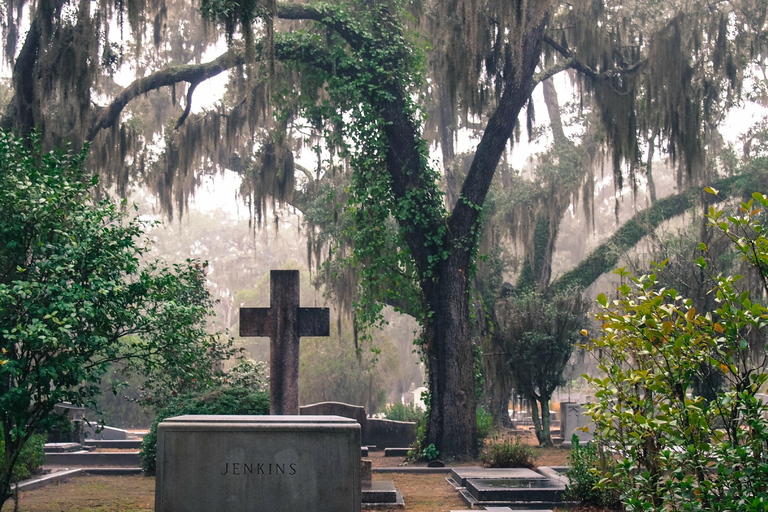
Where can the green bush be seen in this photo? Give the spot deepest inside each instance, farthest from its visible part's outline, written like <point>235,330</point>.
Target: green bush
<point>32,457</point>
<point>229,400</point>
<point>583,477</point>
<point>402,412</point>
<point>676,449</point>
<point>508,454</point>
<point>484,424</point>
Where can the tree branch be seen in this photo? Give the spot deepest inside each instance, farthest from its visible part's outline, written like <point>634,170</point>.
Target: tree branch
<point>583,68</point>
<point>605,257</point>
<point>552,71</point>
<point>517,91</point>
<point>188,106</point>
<point>325,14</point>
<point>193,73</point>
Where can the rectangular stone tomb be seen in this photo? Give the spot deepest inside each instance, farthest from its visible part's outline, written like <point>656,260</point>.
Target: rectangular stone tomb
<point>258,464</point>
<point>461,474</point>
<point>515,489</point>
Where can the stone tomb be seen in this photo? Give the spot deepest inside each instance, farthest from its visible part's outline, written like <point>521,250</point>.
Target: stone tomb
<point>518,488</point>
<point>258,464</point>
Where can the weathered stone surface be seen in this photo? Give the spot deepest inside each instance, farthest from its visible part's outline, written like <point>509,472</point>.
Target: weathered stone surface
<point>284,322</point>
<point>366,470</point>
<point>574,421</point>
<point>356,412</point>
<point>258,464</point>
<point>389,433</point>
<point>462,473</point>
<point>377,432</point>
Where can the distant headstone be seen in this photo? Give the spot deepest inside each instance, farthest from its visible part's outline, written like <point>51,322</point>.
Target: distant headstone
<point>258,463</point>
<point>284,322</point>
<point>573,421</point>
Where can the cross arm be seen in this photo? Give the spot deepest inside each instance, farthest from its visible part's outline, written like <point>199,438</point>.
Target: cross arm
<point>314,322</point>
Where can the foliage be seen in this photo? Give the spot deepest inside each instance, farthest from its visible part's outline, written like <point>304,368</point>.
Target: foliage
<point>484,424</point>
<point>74,298</point>
<point>399,411</point>
<point>583,476</point>
<point>540,333</point>
<point>31,457</point>
<point>507,454</point>
<point>430,452</point>
<point>677,450</point>
<point>225,400</point>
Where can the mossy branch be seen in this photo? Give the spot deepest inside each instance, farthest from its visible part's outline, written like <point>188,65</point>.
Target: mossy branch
<point>605,257</point>
<point>193,73</point>
<point>574,63</point>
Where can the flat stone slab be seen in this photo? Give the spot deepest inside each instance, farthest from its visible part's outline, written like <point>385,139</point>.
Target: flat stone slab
<point>258,463</point>
<point>379,491</point>
<point>126,458</point>
<point>501,509</point>
<point>515,489</point>
<point>397,505</point>
<point>396,452</point>
<point>61,447</point>
<point>461,474</point>
<point>120,444</point>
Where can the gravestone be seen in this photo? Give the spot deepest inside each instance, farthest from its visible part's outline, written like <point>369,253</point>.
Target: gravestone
<point>574,421</point>
<point>284,322</point>
<point>258,464</point>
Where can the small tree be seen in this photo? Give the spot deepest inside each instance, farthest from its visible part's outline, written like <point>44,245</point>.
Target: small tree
<point>75,298</point>
<point>676,450</point>
<point>540,334</point>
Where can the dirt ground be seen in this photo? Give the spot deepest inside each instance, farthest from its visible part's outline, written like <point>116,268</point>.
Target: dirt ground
<point>422,493</point>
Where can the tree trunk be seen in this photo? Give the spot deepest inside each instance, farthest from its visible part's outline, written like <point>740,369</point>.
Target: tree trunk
<point>452,425</point>
<point>499,384</point>
<point>10,456</point>
<point>553,109</point>
<point>545,436</point>
<point>535,415</point>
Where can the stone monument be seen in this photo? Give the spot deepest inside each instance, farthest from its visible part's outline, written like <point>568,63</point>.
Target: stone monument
<point>258,464</point>
<point>284,322</point>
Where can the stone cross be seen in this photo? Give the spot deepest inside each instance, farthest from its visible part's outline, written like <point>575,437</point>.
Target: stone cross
<point>284,322</point>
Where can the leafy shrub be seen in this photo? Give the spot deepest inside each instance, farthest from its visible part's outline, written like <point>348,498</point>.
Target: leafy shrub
<point>430,452</point>
<point>229,400</point>
<point>403,412</point>
<point>508,454</point>
<point>484,424</point>
<point>583,477</point>
<point>677,450</point>
<point>31,457</point>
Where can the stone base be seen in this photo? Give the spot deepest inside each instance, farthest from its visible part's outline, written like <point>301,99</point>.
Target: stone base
<point>399,504</point>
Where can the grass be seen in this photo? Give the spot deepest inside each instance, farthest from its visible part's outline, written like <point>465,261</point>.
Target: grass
<point>422,493</point>
<point>91,494</point>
